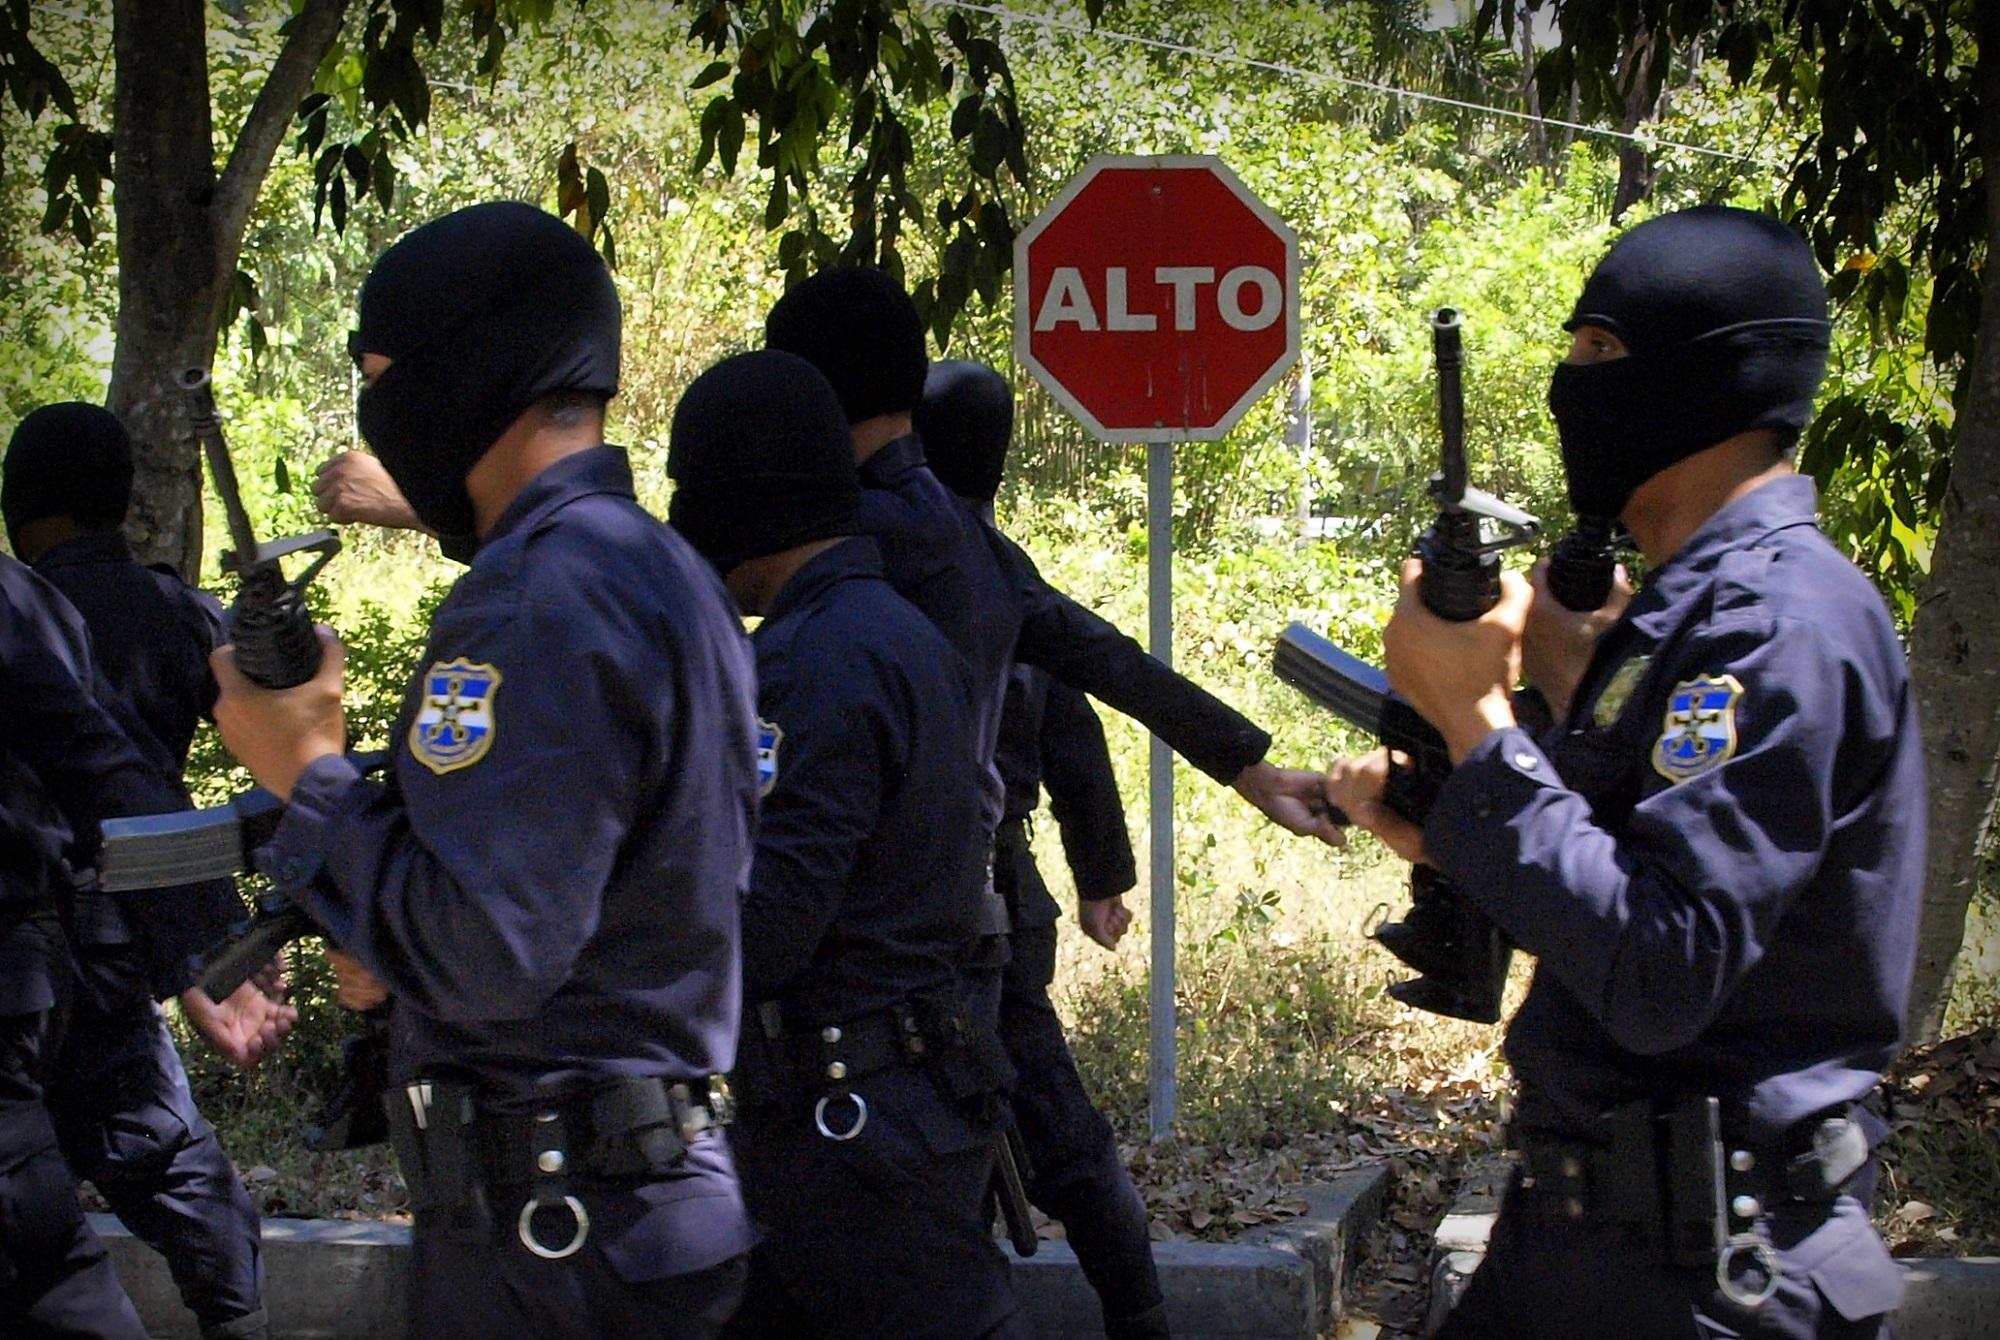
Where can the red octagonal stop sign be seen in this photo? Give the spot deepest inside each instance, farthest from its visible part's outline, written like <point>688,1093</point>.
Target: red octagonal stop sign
<point>1157,298</point>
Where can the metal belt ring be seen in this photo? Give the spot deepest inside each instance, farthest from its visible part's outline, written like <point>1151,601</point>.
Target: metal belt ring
<point>1767,1261</point>
<point>860,1116</point>
<point>527,1230</point>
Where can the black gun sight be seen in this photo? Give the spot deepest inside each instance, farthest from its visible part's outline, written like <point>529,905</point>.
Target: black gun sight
<point>270,623</point>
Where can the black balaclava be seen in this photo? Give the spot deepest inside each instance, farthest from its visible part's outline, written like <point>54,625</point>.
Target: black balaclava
<point>1725,317</point>
<point>761,460</point>
<point>966,419</point>
<point>860,329</point>
<point>71,459</point>
<point>484,312</point>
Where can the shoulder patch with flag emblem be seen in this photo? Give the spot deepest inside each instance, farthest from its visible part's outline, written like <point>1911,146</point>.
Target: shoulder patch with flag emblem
<point>769,736</point>
<point>455,727</point>
<point>1699,732</point>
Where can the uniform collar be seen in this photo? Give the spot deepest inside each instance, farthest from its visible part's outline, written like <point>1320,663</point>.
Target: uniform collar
<point>1791,500</point>
<point>855,556</point>
<point>105,547</point>
<point>594,470</point>
<point>891,461</point>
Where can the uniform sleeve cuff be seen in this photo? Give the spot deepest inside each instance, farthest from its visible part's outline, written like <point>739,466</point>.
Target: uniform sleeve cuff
<point>1496,781</point>
<point>324,793</point>
<point>1103,891</point>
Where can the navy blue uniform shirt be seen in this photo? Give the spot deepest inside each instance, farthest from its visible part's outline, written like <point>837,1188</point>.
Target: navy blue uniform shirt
<point>935,555</point>
<point>549,879</point>
<point>151,633</point>
<point>1050,734</point>
<point>66,764</point>
<point>1718,858</point>
<point>856,901</point>
<point>984,594</point>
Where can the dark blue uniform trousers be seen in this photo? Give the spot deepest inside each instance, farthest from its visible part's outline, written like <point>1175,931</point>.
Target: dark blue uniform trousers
<point>483,1285</point>
<point>55,1279</point>
<point>1547,1277</point>
<point>1076,1176</point>
<point>884,1235</point>
<point>128,1123</point>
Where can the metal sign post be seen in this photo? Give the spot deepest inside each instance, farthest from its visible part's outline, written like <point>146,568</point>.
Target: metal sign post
<point>1160,608</point>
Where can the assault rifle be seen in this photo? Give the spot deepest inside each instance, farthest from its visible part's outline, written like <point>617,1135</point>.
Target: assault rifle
<point>1460,955</point>
<point>276,647</point>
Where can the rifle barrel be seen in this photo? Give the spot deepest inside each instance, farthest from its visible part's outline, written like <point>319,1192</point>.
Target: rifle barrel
<point>1449,353</point>
<point>195,384</point>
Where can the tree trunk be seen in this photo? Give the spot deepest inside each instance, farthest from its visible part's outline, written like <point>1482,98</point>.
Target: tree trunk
<point>171,277</point>
<point>1538,134</point>
<point>1955,638</point>
<point>1635,165</point>
<point>180,227</point>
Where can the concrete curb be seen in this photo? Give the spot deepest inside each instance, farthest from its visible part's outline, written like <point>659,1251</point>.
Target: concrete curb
<point>338,1280</point>
<point>1952,1298</point>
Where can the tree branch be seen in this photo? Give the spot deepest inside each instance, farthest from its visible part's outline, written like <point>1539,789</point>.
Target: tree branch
<point>314,30</point>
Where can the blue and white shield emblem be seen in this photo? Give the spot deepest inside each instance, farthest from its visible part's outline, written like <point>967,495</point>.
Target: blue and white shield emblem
<point>454,728</point>
<point>1700,728</point>
<point>769,736</point>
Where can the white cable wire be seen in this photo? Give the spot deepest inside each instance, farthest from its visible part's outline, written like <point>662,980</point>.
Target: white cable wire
<point>1006,15</point>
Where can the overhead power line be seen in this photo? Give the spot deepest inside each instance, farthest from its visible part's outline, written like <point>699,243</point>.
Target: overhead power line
<point>1006,15</point>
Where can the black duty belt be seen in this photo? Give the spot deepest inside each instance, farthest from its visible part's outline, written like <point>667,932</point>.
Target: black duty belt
<point>453,1152</point>
<point>1664,1177</point>
<point>825,1061</point>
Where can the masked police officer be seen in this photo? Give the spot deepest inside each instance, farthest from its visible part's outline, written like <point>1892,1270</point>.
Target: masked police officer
<point>869,1092</point>
<point>548,880</point>
<point>118,1091</point>
<point>1049,733</point>
<point>66,763</point>
<point>1716,854</point>
<point>859,328</point>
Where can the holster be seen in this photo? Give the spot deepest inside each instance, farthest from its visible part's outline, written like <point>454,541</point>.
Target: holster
<point>1664,1176</point>
<point>431,1130</point>
<point>453,1153</point>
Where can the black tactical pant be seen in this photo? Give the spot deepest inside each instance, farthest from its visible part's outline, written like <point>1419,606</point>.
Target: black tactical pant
<point>1076,1176</point>
<point>55,1279</point>
<point>881,1235</point>
<point>1548,1277</point>
<point>128,1123</point>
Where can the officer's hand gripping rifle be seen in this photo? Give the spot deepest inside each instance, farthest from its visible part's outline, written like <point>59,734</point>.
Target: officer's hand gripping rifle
<point>277,647</point>
<point>1460,954</point>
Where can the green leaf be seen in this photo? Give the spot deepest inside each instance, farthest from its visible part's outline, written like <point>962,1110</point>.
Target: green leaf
<point>863,118</point>
<point>281,476</point>
<point>711,128</point>
<point>731,138</point>
<point>598,197</point>
<point>779,205</point>
<point>965,116</point>
<point>711,73</point>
